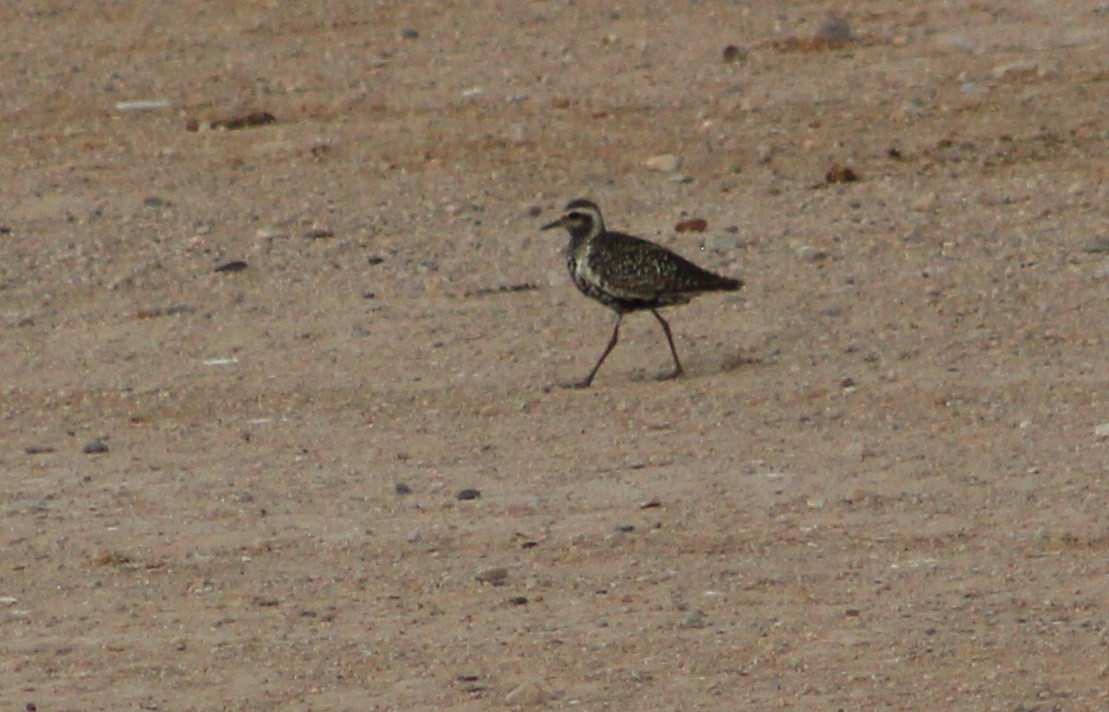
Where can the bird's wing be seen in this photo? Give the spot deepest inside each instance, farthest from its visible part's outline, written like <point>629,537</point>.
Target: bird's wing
<point>633,268</point>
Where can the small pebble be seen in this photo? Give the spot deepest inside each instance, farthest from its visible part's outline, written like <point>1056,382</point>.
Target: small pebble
<point>528,694</point>
<point>270,233</point>
<point>409,33</point>
<point>625,528</point>
<point>401,488</point>
<point>95,447</point>
<point>495,577</point>
<point>664,163</point>
<point>1101,432</point>
<point>724,242</point>
<point>1015,69</point>
<point>808,253</point>
<point>153,201</point>
<point>518,600</point>
<point>468,494</point>
<point>142,104</point>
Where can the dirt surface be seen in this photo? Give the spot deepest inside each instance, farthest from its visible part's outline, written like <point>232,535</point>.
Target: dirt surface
<point>880,485</point>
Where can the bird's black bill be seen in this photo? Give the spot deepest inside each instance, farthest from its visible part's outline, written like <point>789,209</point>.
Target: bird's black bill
<point>551,226</point>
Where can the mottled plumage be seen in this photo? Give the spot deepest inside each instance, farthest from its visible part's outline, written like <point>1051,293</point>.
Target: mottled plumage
<point>627,273</point>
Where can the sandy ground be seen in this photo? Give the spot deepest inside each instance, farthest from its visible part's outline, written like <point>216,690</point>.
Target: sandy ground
<point>880,486</point>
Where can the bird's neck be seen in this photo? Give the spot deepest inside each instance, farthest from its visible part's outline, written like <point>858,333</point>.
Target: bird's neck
<point>582,234</point>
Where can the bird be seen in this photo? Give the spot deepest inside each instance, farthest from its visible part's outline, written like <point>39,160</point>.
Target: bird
<point>628,274</point>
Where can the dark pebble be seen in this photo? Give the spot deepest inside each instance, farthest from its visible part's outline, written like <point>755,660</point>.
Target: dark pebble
<point>734,53</point>
<point>234,266</point>
<point>841,174</point>
<point>95,447</point>
<point>258,118</point>
<point>625,528</point>
<point>847,382</point>
<point>693,225</point>
<point>518,600</point>
<point>375,260</point>
<point>534,211</point>
<point>401,488</point>
<point>409,33</point>
<point>319,233</point>
<point>469,494</point>
<point>153,201</point>
<point>529,544</point>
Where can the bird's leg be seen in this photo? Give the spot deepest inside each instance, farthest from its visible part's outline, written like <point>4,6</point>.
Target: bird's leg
<point>670,340</point>
<point>584,383</point>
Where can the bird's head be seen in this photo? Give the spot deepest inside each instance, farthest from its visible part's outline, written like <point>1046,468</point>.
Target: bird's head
<point>582,219</point>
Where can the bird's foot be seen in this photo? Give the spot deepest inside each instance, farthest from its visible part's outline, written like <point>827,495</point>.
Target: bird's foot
<point>676,373</point>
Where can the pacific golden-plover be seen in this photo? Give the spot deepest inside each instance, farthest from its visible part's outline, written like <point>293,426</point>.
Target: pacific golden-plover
<point>627,274</point>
